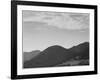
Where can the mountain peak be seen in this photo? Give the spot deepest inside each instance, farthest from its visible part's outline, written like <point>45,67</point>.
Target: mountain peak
<point>56,46</point>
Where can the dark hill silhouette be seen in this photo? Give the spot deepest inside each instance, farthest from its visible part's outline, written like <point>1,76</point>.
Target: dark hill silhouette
<point>55,55</point>
<point>81,50</point>
<point>82,55</point>
<point>49,57</point>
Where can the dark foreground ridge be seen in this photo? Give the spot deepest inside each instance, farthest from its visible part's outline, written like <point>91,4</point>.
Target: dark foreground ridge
<point>59,56</point>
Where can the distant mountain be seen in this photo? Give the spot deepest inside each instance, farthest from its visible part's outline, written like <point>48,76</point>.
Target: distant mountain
<point>29,55</point>
<point>55,55</point>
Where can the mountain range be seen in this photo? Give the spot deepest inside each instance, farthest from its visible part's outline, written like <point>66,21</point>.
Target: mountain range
<point>59,56</point>
<point>30,55</point>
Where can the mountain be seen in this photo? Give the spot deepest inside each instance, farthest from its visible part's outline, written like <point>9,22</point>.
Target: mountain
<point>82,55</point>
<point>29,55</point>
<point>56,54</point>
<point>49,57</point>
<point>81,50</point>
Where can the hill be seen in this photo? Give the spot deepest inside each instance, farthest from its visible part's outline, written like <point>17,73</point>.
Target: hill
<point>55,55</point>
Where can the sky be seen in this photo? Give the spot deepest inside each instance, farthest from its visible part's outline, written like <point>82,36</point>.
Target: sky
<point>42,29</point>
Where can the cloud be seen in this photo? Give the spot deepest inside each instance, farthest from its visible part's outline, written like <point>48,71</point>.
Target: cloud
<point>70,21</point>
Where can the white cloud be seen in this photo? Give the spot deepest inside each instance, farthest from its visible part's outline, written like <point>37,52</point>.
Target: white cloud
<point>71,21</point>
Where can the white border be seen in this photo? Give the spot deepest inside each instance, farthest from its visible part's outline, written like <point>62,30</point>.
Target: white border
<point>21,71</point>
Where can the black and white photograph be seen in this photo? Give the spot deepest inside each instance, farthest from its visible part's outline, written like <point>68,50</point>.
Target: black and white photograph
<point>53,39</point>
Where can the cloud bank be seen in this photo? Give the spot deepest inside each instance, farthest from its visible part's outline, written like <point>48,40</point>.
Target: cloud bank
<point>61,20</point>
